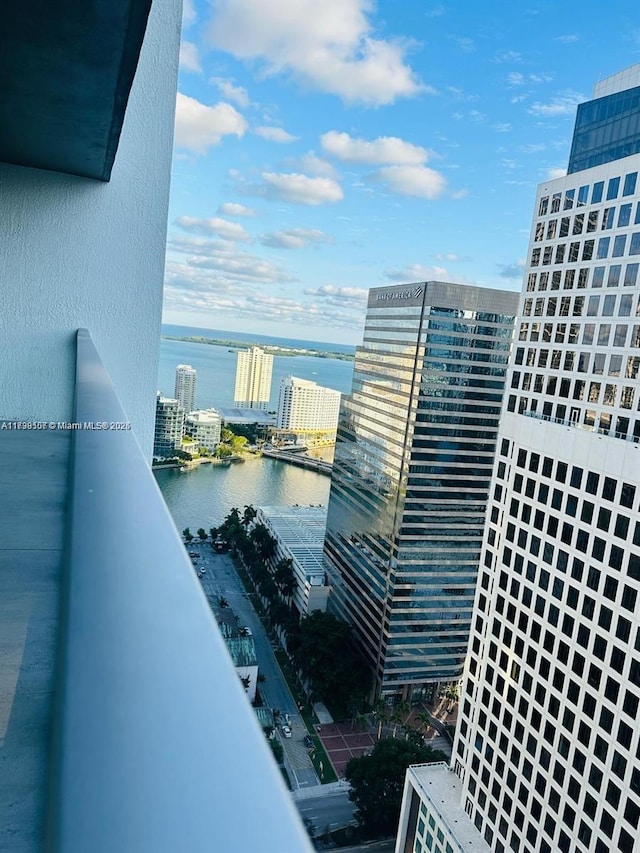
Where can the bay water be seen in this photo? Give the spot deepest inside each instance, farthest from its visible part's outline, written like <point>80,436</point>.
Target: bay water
<point>203,496</point>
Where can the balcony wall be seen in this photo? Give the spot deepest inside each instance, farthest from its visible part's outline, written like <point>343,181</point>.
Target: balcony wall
<point>76,252</point>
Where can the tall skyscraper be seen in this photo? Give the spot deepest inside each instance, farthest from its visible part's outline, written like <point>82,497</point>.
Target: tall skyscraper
<point>415,448</point>
<point>548,737</point>
<point>253,379</point>
<point>185,392</point>
<point>305,407</point>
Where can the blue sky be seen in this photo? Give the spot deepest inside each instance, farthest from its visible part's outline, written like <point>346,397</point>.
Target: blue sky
<point>323,147</point>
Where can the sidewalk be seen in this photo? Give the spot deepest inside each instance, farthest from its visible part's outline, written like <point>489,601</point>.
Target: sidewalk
<point>321,790</point>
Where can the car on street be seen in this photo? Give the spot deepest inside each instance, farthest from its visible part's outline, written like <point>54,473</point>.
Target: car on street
<point>286,731</point>
<point>308,741</point>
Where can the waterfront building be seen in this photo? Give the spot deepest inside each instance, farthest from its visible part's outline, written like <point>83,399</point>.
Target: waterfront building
<point>547,741</point>
<point>204,427</point>
<point>109,657</point>
<point>306,409</point>
<point>185,391</point>
<point>169,427</point>
<point>299,534</point>
<point>412,466</point>
<point>253,379</point>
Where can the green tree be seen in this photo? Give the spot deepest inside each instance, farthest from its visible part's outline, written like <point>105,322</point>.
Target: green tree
<point>187,535</point>
<point>248,515</point>
<point>202,533</point>
<point>278,751</point>
<point>264,541</point>
<point>377,782</point>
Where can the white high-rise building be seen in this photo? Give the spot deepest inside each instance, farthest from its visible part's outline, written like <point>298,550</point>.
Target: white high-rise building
<point>169,427</point>
<point>185,392</point>
<point>253,379</point>
<point>304,406</point>
<point>548,737</point>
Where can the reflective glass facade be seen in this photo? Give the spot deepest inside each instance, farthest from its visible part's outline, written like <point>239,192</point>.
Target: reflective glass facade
<point>411,475</point>
<point>606,129</point>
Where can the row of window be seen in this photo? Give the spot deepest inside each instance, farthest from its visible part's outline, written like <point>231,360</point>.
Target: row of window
<point>601,334</point>
<point>587,250</point>
<point>609,305</point>
<point>598,363</point>
<point>615,275</point>
<point>588,194</point>
<point>559,228</point>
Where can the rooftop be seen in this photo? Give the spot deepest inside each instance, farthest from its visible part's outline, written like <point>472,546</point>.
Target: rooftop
<point>301,529</point>
<point>443,790</point>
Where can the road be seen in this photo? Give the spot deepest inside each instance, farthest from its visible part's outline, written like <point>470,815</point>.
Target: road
<point>333,810</point>
<point>221,580</point>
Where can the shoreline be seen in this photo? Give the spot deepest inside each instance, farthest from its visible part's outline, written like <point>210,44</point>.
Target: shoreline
<point>286,352</point>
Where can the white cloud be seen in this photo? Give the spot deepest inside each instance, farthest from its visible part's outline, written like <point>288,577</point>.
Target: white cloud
<point>189,57</point>
<point>466,45</point>
<point>275,134</point>
<point>450,257</point>
<point>552,174</point>
<point>230,265</point>
<point>418,272</point>
<point>457,194</point>
<point>568,39</point>
<point>299,189</point>
<point>198,126</point>
<point>417,181</point>
<point>515,78</point>
<point>563,104</point>
<point>216,225</point>
<point>311,164</point>
<point>512,271</point>
<point>507,56</point>
<point>501,127</point>
<point>295,238</point>
<point>339,295</point>
<point>188,13</point>
<point>231,208</point>
<point>231,92</point>
<point>327,46</point>
<point>383,150</point>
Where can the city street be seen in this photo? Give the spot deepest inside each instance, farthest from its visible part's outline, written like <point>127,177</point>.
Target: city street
<point>330,810</point>
<point>221,580</point>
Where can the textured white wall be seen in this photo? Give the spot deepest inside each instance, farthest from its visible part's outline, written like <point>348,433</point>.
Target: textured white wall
<point>75,252</point>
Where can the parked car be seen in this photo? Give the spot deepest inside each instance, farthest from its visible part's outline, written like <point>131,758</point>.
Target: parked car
<point>286,731</point>
<point>308,741</point>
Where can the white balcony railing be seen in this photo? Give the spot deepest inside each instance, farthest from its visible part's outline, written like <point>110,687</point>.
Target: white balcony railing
<point>155,745</point>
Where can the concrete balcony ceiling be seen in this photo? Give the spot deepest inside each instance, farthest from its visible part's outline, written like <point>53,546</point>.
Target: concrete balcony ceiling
<point>66,70</point>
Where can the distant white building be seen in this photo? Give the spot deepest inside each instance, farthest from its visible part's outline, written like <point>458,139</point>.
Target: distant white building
<point>185,392</point>
<point>169,427</point>
<point>305,407</point>
<point>253,379</point>
<point>299,534</point>
<point>204,426</point>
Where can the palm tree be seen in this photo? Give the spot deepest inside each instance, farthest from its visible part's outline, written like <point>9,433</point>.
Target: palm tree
<point>248,515</point>
<point>187,535</point>
<point>400,714</point>
<point>451,692</point>
<point>202,533</point>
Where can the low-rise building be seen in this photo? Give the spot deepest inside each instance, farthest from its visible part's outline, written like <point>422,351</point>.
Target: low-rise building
<point>243,655</point>
<point>299,534</point>
<point>432,817</point>
<point>204,426</point>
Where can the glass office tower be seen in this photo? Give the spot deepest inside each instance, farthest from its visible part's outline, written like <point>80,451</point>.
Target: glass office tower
<point>548,738</point>
<point>411,474</point>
